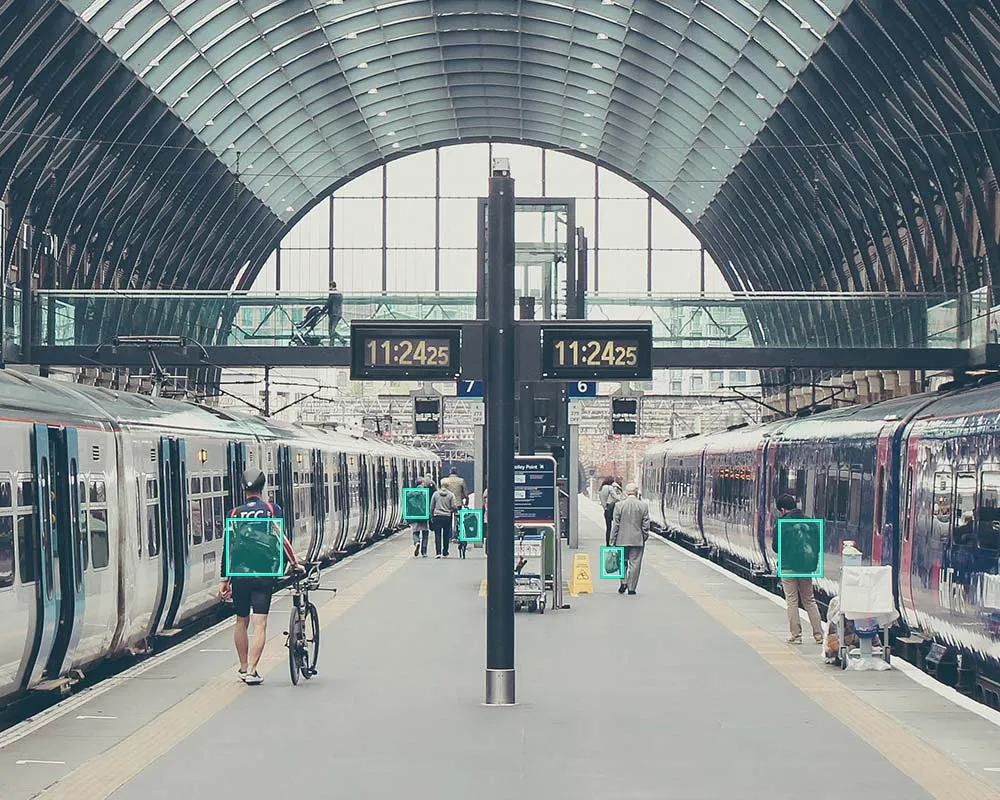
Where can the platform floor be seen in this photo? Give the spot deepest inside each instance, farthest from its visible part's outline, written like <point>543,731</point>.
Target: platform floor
<point>685,690</point>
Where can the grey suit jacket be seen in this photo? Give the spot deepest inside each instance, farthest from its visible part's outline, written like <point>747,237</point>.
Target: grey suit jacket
<point>630,526</point>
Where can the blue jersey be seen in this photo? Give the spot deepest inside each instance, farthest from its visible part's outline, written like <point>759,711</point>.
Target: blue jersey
<point>255,508</point>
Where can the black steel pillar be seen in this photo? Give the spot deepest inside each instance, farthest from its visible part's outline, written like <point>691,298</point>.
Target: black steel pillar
<point>526,397</point>
<point>500,436</point>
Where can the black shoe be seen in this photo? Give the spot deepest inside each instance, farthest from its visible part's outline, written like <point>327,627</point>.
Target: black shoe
<point>631,591</point>
<point>621,589</point>
<point>416,551</point>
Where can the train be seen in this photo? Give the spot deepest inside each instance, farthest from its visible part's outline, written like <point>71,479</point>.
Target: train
<point>112,508</point>
<point>913,481</point>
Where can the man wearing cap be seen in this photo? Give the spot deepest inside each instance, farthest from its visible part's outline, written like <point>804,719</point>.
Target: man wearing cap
<point>630,529</point>
<point>252,593</point>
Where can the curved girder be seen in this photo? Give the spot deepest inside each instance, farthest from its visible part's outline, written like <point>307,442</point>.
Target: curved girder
<point>866,157</point>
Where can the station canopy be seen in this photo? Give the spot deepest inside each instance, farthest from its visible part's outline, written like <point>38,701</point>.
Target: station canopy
<point>306,95</point>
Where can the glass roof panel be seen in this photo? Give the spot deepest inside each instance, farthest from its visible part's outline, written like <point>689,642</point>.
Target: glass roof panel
<point>679,91</point>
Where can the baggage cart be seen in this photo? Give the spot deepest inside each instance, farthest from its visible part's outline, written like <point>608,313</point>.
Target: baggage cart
<point>529,574</point>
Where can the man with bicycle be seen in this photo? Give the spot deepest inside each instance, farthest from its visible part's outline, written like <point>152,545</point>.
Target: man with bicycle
<point>252,593</point>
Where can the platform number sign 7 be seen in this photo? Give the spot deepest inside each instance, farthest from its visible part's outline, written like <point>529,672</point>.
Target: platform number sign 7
<point>582,389</point>
<point>472,390</point>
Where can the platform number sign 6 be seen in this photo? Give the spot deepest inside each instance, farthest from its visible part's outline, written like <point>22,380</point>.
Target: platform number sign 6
<point>582,389</point>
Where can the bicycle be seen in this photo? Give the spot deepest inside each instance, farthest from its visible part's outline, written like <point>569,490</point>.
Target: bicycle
<point>303,626</point>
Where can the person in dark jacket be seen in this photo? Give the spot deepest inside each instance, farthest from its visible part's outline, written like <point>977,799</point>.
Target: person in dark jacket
<point>798,591</point>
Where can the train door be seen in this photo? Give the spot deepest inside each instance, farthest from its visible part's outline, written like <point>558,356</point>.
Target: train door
<point>882,475</point>
<point>237,460</point>
<point>285,493</point>
<point>765,519</point>
<point>907,510</point>
<point>319,497</point>
<point>174,485</point>
<point>364,497</point>
<point>344,494</point>
<point>168,521</point>
<point>395,491</point>
<point>59,564</point>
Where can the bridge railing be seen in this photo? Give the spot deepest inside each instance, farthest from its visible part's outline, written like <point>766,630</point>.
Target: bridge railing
<point>757,319</point>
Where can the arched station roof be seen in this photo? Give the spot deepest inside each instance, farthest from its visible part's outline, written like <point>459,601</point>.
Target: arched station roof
<point>837,144</point>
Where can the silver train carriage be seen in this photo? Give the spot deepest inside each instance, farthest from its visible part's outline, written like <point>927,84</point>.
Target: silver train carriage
<point>112,507</point>
<point>915,481</point>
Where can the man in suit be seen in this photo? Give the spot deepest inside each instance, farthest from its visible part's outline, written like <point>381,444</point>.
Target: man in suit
<point>630,529</point>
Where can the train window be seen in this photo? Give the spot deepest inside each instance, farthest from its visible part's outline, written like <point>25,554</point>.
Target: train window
<point>153,518</point>
<point>217,483</point>
<point>819,496</point>
<point>218,515</point>
<point>942,496</point>
<point>26,493</point>
<point>6,495</point>
<point>988,517</point>
<point>208,519</point>
<point>6,552</point>
<point>100,549</point>
<point>879,507</point>
<point>98,492</point>
<point>843,493</point>
<point>84,527</point>
<point>907,519</point>
<point>26,547</point>
<point>854,509</point>
<point>196,525</point>
<point>965,509</point>
<point>196,485</point>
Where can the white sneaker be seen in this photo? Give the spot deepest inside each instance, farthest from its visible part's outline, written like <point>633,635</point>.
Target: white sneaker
<point>242,673</point>
<point>253,678</point>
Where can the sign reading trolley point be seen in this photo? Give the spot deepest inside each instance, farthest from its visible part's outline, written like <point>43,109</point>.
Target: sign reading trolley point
<point>255,547</point>
<point>800,548</point>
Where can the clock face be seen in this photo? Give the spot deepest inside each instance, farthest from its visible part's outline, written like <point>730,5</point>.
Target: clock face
<point>409,351</point>
<point>381,352</point>
<point>596,352</point>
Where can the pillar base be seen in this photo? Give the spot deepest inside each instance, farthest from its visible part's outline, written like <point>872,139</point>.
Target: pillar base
<point>500,687</point>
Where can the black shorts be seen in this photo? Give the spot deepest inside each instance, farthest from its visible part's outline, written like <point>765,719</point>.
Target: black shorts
<point>249,593</point>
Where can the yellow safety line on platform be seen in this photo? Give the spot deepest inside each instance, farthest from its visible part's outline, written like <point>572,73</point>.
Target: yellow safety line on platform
<point>98,778</point>
<point>914,757</point>
<point>482,588</point>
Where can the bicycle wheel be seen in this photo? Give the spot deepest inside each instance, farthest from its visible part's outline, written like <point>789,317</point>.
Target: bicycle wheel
<point>310,643</point>
<point>294,638</point>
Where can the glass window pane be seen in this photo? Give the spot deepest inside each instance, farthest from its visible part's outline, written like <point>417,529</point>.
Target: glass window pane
<point>357,223</point>
<point>465,170</point>
<point>412,176</point>
<point>458,270</point>
<point>6,552</point>
<point>568,176</point>
<point>410,223</point>
<point>459,223</point>
<point>623,225</point>
<point>358,271</point>
<point>525,167</point>
<point>6,499</point>
<point>26,547</point>
<point>410,271</point>
<point>100,548</point>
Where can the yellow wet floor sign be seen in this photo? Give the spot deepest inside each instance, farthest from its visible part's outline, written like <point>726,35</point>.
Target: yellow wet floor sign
<point>580,580</point>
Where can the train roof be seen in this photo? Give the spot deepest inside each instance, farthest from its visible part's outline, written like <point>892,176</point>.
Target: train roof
<point>62,402</point>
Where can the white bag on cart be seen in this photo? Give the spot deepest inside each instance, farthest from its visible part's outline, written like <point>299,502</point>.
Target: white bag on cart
<point>866,600</point>
<point>866,592</point>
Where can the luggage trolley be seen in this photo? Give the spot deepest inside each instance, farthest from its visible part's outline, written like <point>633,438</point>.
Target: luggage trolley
<point>529,572</point>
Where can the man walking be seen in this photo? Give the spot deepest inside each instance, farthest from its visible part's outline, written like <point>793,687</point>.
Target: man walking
<point>443,508</point>
<point>421,528</point>
<point>252,593</point>
<point>455,484</point>
<point>334,311</point>
<point>630,529</point>
<point>798,591</point>
<point>609,495</point>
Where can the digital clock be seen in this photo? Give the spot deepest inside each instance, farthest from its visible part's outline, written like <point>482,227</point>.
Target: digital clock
<point>583,351</point>
<point>382,351</point>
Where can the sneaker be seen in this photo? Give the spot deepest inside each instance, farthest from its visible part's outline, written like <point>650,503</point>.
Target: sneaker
<point>818,638</point>
<point>438,556</point>
<point>794,640</point>
<point>621,589</point>
<point>253,678</point>
<point>416,551</point>
<point>242,674</point>
<point>631,591</point>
